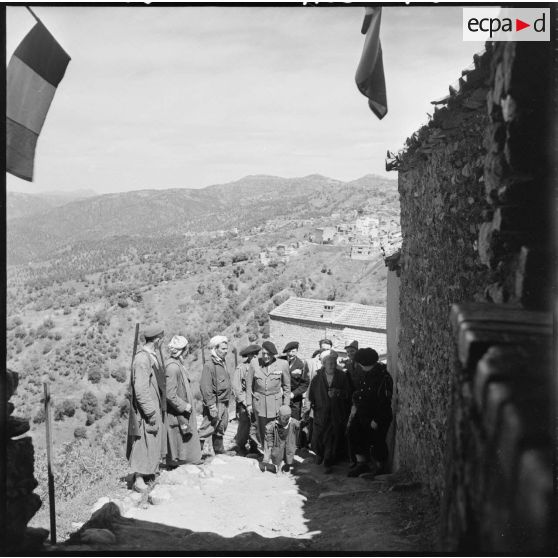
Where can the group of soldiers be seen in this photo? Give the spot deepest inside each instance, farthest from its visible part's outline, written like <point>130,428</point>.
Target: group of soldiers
<point>337,409</point>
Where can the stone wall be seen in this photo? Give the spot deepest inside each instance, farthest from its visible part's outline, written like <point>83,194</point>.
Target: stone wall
<point>499,489</point>
<point>473,405</point>
<point>442,208</point>
<point>21,502</point>
<point>393,327</point>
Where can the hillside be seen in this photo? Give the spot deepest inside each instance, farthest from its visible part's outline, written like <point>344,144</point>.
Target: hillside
<point>19,204</point>
<point>71,311</point>
<point>244,203</point>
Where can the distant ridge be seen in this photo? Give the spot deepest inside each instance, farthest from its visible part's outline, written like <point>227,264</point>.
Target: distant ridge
<point>242,203</point>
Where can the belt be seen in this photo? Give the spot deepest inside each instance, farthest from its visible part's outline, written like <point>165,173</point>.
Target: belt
<point>264,393</point>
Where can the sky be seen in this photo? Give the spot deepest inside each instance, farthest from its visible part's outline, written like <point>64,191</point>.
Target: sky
<point>173,97</point>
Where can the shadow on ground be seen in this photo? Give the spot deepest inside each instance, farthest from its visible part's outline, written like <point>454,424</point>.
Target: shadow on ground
<point>340,514</point>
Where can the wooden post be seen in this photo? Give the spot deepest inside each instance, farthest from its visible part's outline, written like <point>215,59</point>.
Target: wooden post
<point>51,501</point>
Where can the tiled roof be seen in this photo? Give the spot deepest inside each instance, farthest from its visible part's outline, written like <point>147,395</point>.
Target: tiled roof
<point>349,314</point>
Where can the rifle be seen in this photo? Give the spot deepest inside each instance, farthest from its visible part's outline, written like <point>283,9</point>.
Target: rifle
<point>133,426</point>
<point>162,382</point>
<point>235,351</point>
<point>202,349</point>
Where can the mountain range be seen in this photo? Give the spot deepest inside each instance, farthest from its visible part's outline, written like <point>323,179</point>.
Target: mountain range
<point>38,224</point>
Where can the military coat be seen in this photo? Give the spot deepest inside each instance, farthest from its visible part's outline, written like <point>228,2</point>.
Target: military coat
<point>268,386</point>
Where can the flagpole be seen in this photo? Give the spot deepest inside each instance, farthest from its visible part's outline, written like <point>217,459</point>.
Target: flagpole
<point>35,16</point>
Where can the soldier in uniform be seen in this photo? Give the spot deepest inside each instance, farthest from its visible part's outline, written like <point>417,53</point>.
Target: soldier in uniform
<point>371,414</point>
<point>215,388</point>
<point>268,386</point>
<point>246,427</point>
<point>299,378</point>
<point>147,437</point>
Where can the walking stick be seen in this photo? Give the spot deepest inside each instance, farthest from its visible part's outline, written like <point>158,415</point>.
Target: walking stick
<point>51,501</point>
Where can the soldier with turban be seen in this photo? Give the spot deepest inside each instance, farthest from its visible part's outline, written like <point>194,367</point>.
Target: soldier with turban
<point>182,433</point>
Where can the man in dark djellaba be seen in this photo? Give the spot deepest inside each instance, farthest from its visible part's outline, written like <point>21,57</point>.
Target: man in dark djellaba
<point>370,415</point>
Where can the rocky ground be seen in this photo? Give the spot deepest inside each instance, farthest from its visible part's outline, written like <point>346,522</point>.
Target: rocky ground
<point>228,504</point>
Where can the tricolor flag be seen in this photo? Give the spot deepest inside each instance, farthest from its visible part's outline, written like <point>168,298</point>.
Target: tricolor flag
<point>370,72</point>
<point>35,70</point>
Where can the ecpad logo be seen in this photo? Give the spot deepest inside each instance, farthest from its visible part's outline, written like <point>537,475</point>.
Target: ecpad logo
<point>506,24</point>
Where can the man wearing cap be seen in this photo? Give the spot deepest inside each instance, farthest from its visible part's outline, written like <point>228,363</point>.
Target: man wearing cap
<point>182,432</point>
<point>268,386</point>
<point>371,413</point>
<point>146,427</point>
<point>280,440</point>
<point>246,427</point>
<point>299,379</point>
<point>215,388</point>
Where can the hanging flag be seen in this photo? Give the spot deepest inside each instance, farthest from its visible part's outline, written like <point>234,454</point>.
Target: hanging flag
<point>35,70</point>
<point>370,72</point>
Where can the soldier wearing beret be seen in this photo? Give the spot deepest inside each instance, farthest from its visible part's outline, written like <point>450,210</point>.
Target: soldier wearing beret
<point>299,378</point>
<point>268,386</point>
<point>147,437</point>
<point>246,426</point>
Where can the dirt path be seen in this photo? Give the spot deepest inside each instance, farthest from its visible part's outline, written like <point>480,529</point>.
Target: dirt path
<point>228,504</point>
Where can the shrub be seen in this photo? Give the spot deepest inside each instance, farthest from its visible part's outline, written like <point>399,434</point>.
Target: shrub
<point>119,374</point>
<point>94,375</point>
<point>89,402</point>
<point>39,416</point>
<point>68,408</point>
<point>124,407</point>
<point>80,432</point>
<point>110,402</point>
<point>122,302</point>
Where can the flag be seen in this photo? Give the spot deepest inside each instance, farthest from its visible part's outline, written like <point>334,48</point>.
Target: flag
<point>370,72</point>
<point>34,72</point>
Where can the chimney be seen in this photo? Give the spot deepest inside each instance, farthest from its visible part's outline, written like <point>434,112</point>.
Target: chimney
<point>327,311</point>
